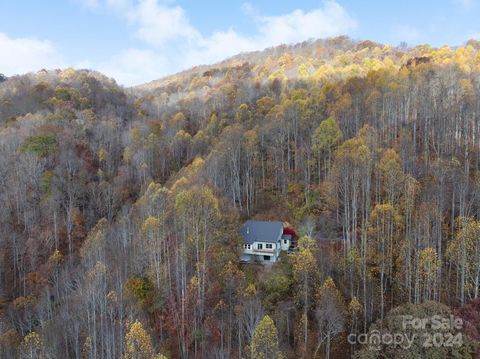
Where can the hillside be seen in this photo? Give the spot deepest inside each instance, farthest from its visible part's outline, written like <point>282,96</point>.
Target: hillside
<point>313,55</point>
<point>122,207</point>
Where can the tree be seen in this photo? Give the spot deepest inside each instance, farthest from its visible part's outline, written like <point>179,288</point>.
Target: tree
<point>429,265</point>
<point>330,314</point>
<point>154,243</point>
<point>93,248</point>
<point>138,344</point>
<point>392,176</point>
<point>198,212</point>
<point>307,226</point>
<point>464,252</point>
<point>304,271</point>
<point>264,105</point>
<point>31,347</point>
<point>326,136</point>
<point>401,193</point>
<point>470,314</point>
<point>243,114</point>
<point>251,312</point>
<point>95,291</point>
<point>232,279</point>
<point>396,321</point>
<point>354,311</point>
<point>251,154</point>
<point>43,144</point>
<point>384,229</point>
<point>265,340</point>
<point>351,177</point>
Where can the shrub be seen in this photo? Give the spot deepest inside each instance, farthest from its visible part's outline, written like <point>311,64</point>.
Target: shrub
<point>42,145</point>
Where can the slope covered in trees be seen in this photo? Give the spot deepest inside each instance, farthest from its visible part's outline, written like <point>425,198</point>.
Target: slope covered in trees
<point>121,208</point>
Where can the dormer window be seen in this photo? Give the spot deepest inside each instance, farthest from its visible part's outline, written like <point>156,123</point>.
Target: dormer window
<point>259,246</point>
<point>268,246</point>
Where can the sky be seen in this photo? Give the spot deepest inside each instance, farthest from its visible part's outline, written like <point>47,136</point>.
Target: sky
<point>136,41</point>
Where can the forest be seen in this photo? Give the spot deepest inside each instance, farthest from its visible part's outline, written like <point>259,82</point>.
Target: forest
<point>121,208</point>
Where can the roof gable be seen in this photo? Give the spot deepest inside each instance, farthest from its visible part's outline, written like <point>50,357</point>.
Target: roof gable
<point>261,231</point>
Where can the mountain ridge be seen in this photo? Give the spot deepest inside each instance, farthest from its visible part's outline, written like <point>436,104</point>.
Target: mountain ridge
<point>121,208</point>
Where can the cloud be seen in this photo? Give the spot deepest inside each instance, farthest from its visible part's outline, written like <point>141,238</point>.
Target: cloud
<point>175,44</point>
<point>22,55</point>
<point>171,43</point>
<point>168,42</point>
<point>159,24</point>
<point>329,20</point>
<point>135,66</point>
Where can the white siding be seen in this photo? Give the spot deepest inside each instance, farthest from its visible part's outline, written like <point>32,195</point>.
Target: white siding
<point>264,251</point>
<point>285,244</point>
<point>273,252</point>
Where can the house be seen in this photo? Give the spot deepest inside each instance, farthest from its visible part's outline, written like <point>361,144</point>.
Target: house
<point>263,241</point>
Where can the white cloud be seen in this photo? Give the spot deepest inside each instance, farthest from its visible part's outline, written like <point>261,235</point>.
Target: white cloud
<point>171,43</point>
<point>329,20</point>
<point>22,55</point>
<point>135,66</point>
<point>219,46</point>
<point>175,44</point>
<point>159,24</point>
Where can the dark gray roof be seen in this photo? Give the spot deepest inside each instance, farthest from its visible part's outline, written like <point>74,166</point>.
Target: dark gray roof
<point>261,231</point>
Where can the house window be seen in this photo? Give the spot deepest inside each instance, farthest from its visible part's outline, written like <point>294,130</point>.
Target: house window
<point>268,245</point>
<point>285,241</point>
<point>259,246</point>
<point>248,246</point>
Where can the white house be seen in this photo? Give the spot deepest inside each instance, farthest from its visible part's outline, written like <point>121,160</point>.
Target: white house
<point>263,241</point>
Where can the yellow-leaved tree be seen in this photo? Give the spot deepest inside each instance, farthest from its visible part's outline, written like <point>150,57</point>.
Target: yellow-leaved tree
<point>429,265</point>
<point>138,344</point>
<point>304,270</point>
<point>324,140</point>
<point>31,347</point>
<point>265,340</point>
<point>464,253</point>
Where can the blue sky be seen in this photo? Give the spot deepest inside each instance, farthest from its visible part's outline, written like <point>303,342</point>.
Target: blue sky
<point>136,41</point>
